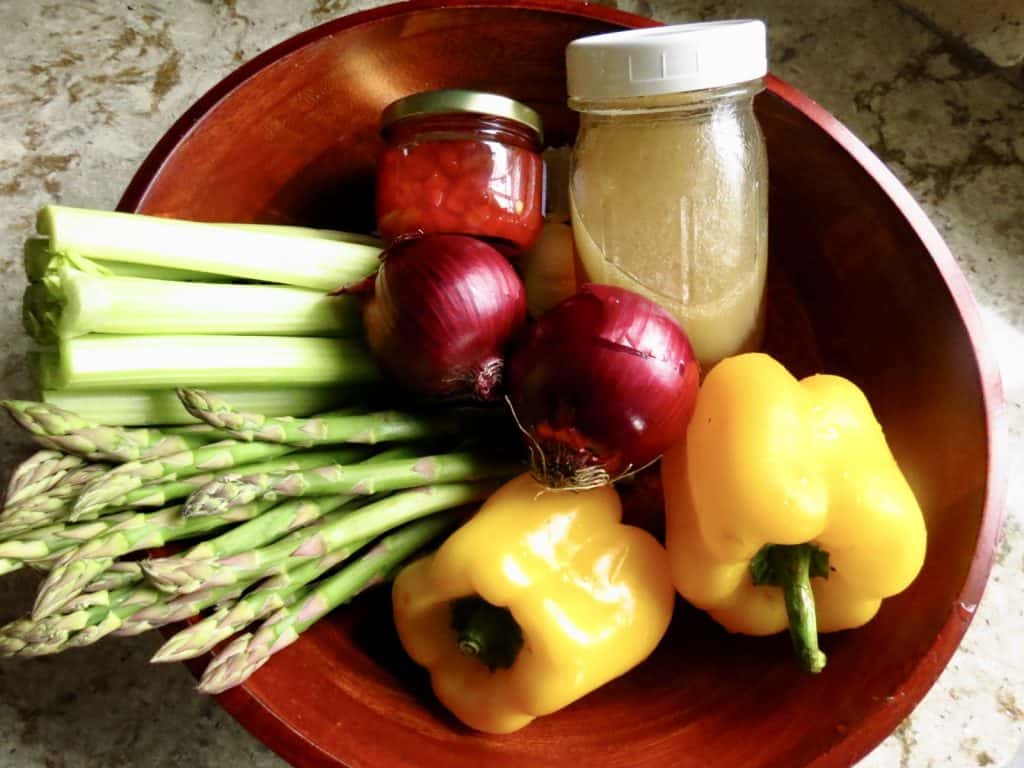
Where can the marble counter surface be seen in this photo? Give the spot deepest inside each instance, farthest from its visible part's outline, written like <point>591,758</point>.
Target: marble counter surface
<point>86,88</point>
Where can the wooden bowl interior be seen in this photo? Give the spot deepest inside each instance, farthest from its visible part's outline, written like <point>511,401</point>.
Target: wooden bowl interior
<point>853,291</point>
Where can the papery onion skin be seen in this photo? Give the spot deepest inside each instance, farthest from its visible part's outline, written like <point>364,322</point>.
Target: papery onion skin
<point>603,384</point>
<point>439,315</point>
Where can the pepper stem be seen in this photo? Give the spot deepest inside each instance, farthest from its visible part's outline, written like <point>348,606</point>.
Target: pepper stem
<point>791,566</point>
<point>486,631</point>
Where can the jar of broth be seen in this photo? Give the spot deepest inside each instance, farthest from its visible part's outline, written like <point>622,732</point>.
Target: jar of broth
<point>669,179</point>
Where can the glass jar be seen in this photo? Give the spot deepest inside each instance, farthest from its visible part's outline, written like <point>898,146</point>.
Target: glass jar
<point>669,177</point>
<point>461,162</point>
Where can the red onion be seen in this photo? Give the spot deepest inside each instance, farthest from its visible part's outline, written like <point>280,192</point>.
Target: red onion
<point>439,313</point>
<point>602,385</point>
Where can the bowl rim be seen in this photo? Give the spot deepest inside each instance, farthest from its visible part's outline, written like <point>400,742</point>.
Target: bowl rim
<point>258,716</point>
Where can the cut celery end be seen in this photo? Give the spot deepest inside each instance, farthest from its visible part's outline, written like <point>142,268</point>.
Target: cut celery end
<point>99,362</point>
<point>162,406</point>
<point>264,254</point>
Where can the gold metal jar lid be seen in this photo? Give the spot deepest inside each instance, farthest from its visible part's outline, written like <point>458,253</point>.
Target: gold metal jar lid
<point>452,100</point>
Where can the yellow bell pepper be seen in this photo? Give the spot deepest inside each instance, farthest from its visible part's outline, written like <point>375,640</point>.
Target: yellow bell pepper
<point>786,483</point>
<point>537,600</point>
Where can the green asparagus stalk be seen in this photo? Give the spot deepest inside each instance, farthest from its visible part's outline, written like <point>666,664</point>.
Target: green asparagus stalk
<point>165,573</point>
<point>171,608</point>
<point>238,554</point>
<point>123,573</point>
<point>366,428</point>
<point>255,254</point>
<point>162,406</point>
<point>38,474</point>
<point>9,565</point>
<point>271,595</point>
<point>336,530</point>
<point>101,362</point>
<point>116,484</point>
<point>73,572</point>
<point>159,494</point>
<point>65,431</point>
<point>221,495</point>
<point>41,543</point>
<point>249,652</point>
<point>82,625</point>
<point>69,302</point>
<point>59,495</point>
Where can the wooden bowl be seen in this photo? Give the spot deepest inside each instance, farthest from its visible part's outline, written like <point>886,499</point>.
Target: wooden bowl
<point>861,285</point>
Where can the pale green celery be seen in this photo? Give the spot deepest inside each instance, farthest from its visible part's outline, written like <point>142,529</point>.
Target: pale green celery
<point>299,231</point>
<point>40,260</point>
<point>98,362</point>
<point>77,303</point>
<point>163,406</point>
<point>258,254</point>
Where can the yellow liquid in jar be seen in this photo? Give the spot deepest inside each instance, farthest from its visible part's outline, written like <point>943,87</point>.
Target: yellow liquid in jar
<point>676,211</point>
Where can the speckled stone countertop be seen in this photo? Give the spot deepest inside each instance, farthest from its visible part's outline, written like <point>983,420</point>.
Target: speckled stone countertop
<point>86,88</point>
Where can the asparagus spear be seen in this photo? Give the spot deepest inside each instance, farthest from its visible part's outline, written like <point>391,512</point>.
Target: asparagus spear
<point>128,477</point>
<point>271,595</point>
<point>65,431</point>
<point>73,572</point>
<point>38,474</point>
<point>248,652</point>
<point>9,565</point>
<point>223,494</point>
<point>41,543</point>
<point>286,517</point>
<point>159,494</point>
<point>194,571</point>
<point>56,508</point>
<point>336,530</point>
<point>162,406</point>
<point>81,625</point>
<point>123,573</point>
<point>368,428</point>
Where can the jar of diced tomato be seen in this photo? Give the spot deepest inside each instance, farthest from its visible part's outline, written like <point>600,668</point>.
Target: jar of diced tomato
<point>461,162</point>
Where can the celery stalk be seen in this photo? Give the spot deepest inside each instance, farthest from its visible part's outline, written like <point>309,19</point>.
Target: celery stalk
<point>162,406</point>
<point>299,231</point>
<point>98,362</point>
<point>257,254</point>
<point>75,303</point>
<point>40,261</point>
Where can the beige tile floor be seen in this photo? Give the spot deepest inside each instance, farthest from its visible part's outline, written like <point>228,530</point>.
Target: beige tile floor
<point>87,87</point>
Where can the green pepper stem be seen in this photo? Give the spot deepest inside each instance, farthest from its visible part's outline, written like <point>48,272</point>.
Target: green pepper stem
<point>486,631</point>
<point>791,565</point>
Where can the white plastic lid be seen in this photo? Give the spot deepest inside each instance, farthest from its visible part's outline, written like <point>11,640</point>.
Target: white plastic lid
<point>674,59</point>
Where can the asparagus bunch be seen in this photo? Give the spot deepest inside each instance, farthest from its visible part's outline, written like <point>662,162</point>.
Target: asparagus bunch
<point>250,651</point>
<point>284,519</point>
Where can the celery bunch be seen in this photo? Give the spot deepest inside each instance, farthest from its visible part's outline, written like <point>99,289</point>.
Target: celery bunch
<point>128,307</point>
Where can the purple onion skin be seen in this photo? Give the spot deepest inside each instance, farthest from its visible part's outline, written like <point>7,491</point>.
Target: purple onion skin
<point>603,383</point>
<point>440,313</point>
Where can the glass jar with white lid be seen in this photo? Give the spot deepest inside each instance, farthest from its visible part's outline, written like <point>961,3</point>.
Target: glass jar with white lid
<point>669,177</point>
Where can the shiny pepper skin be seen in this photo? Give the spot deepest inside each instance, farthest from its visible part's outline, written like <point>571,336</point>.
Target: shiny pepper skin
<point>592,597</point>
<point>768,459</point>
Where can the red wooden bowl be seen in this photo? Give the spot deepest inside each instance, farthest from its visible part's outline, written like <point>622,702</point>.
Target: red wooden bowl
<point>861,285</point>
